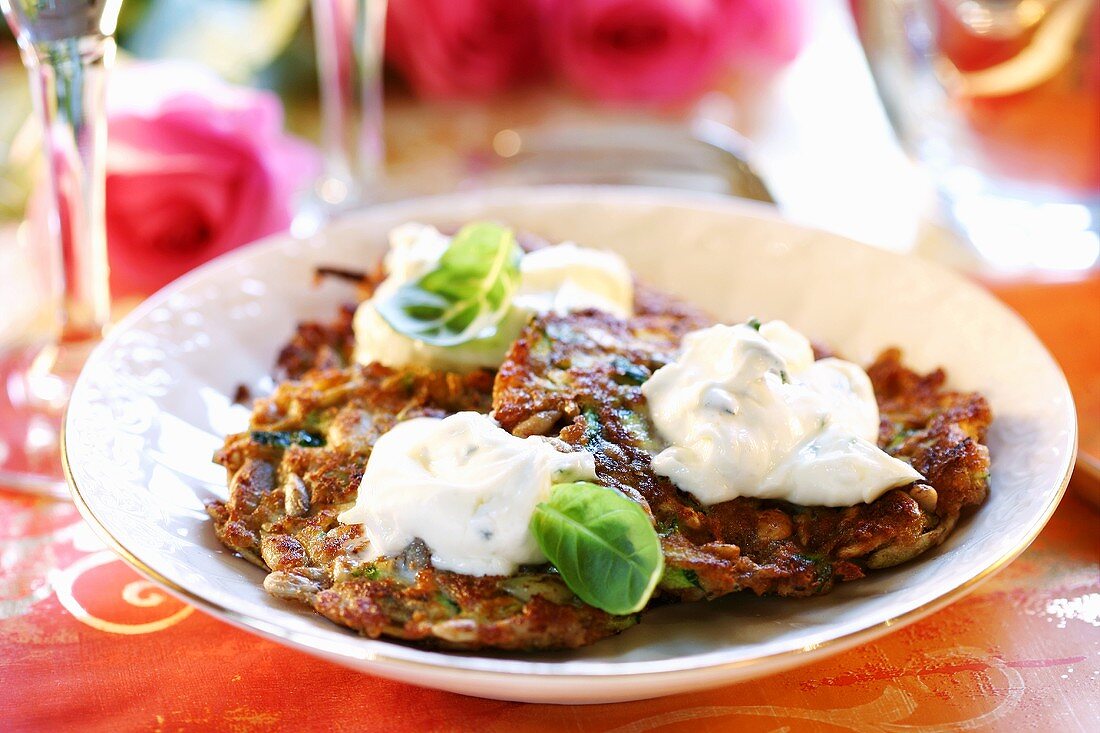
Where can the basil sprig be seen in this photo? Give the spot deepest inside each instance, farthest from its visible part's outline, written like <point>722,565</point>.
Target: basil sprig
<point>602,543</point>
<point>468,293</point>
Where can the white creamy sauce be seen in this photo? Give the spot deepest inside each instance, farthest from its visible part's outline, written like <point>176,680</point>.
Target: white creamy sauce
<point>750,413</point>
<point>561,278</point>
<point>463,485</point>
<point>564,278</point>
<point>745,412</point>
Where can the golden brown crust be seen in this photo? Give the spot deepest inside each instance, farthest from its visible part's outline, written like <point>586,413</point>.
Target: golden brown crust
<point>316,345</point>
<point>577,377</point>
<point>586,369</point>
<point>939,431</point>
<point>461,611</point>
<point>284,498</point>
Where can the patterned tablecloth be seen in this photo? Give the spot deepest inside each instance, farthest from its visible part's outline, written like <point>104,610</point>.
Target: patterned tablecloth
<point>86,644</point>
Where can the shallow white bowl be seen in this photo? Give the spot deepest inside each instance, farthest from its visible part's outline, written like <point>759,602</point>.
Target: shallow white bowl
<point>155,400</point>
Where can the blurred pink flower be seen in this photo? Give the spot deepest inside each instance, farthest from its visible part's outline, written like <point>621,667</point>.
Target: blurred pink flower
<point>463,48</point>
<point>195,167</point>
<point>769,31</point>
<point>664,50</point>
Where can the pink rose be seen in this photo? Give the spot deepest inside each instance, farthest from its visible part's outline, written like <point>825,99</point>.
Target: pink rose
<point>663,50</point>
<point>463,48</point>
<point>195,167</point>
<point>769,31</point>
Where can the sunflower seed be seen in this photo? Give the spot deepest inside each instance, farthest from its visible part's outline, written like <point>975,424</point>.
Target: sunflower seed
<point>925,496</point>
<point>290,586</point>
<point>295,496</point>
<point>456,630</point>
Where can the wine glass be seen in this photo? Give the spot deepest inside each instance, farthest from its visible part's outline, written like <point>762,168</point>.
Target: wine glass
<point>999,100</point>
<point>349,37</point>
<point>67,47</point>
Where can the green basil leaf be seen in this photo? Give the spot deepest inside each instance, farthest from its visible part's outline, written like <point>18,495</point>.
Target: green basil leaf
<point>602,543</point>
<point>466,296</point>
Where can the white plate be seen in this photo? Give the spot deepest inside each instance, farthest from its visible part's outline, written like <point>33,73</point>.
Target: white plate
<point>154,402</point>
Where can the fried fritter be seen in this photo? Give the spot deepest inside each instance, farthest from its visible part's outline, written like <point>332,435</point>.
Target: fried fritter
<point>317,345</point>
<point>300,465</point>
<point>579,377</point>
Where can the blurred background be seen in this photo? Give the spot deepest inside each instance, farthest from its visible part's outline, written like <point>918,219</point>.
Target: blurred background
<point>667,92</point>
<point>967,131</point>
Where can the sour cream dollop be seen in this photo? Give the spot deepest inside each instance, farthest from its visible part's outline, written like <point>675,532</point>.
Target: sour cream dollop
<point>561,278</point>
<point>749,412</point>
<point>564,278</point>
<point>463,485</point>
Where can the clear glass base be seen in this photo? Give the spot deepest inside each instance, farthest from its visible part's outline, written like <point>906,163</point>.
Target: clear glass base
<point>35,384</point>
<point>1016,229</point>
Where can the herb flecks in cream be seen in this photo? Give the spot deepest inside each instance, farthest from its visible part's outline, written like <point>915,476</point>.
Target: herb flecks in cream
<point>747,411</point>
<point>464,486</point>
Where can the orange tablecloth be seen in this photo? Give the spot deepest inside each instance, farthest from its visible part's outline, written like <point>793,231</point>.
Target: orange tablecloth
<point>85,644</point>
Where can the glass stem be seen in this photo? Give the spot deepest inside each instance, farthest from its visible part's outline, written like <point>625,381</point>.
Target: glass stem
<point>349,37</point>
<point>68,82</point>
<point>371,40</point>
